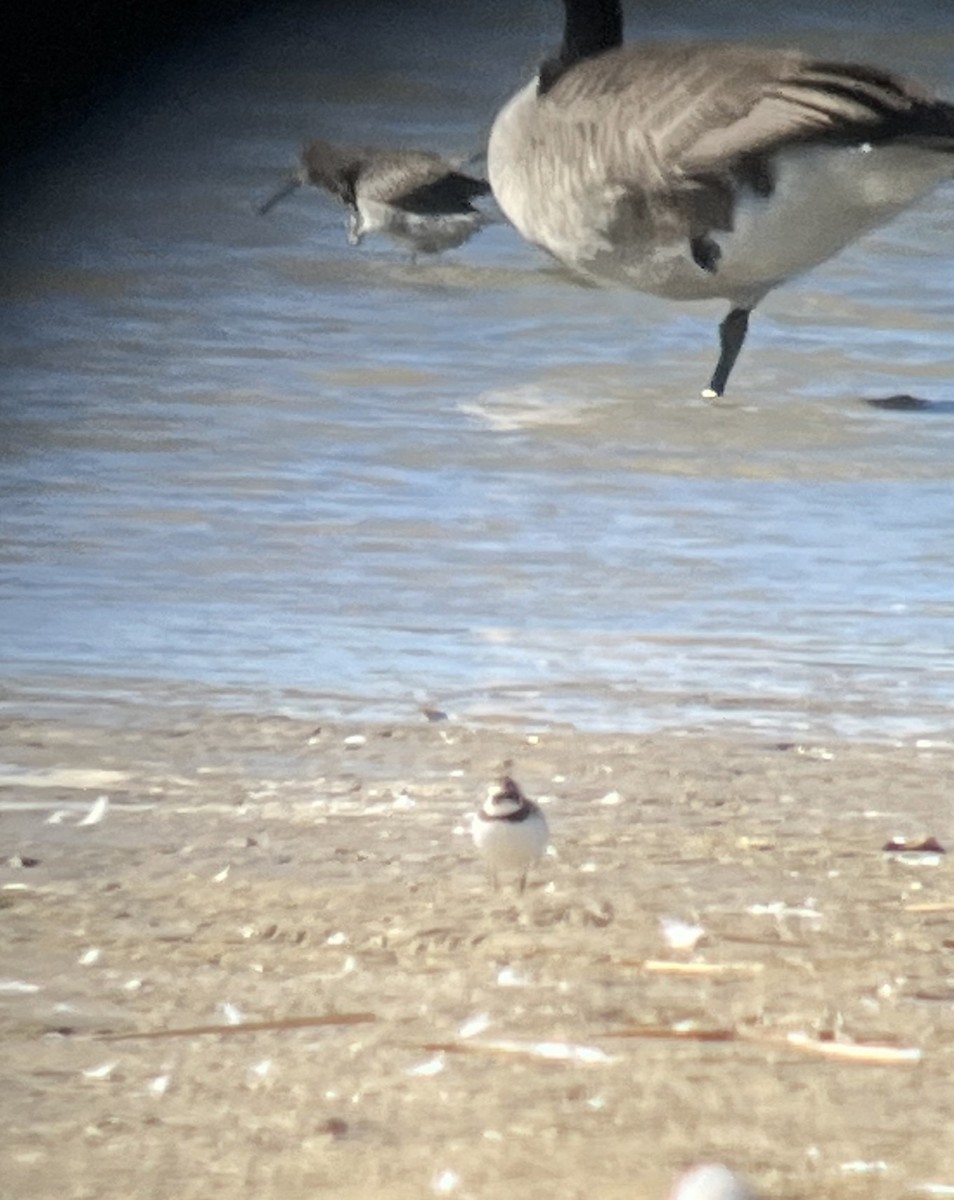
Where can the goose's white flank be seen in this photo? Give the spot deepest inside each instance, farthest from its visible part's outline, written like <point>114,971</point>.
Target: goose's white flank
<point>694,171</point>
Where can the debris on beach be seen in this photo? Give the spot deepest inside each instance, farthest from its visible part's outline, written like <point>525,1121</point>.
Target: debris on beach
<point>550,1051</point>
<point>431,1066</point>
<point>854,1051</point>
<point>710,1181</point>
<point>97,813</point>
<point>902,847</point>
<point>680,935</point>
<point>18,987</point>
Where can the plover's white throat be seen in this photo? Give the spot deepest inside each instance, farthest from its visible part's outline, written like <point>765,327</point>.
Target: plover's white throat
<point>710,1181</point>
<point>416,197</point>
<point>510,831</point>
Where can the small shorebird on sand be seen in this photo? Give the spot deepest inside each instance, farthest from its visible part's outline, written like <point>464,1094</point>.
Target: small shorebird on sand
<point>510,831</point>
<point>414,196</point>
<point>710,1181</point>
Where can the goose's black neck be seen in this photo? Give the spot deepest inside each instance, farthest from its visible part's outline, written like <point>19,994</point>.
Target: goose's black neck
<point>590,27</point>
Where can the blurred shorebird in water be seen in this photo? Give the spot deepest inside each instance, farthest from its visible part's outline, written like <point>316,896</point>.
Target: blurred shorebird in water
<point>416,197</point>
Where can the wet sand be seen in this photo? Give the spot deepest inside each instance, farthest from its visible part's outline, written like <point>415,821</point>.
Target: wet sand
<point>274,966</point>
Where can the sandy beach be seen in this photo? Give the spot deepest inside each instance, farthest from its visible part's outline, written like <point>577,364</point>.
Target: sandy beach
<point>269,963</point>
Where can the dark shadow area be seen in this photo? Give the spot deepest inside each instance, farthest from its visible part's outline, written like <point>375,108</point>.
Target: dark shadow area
<point>905,403</point>
<point>66,60</point>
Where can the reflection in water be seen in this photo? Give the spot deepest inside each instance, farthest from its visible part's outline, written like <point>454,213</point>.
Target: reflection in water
<point>244,463</point>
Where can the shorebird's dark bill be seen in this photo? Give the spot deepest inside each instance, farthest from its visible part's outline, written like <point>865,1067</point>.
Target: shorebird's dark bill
<point>286,189</point>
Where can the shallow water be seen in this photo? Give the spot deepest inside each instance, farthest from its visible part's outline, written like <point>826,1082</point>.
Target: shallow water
<point>247,465</point>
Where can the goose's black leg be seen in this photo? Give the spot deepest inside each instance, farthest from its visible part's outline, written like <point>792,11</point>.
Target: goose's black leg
<point>731,336</point>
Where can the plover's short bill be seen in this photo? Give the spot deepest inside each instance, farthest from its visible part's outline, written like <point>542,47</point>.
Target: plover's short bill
<point>510,831</point>
<point>710,1181</point>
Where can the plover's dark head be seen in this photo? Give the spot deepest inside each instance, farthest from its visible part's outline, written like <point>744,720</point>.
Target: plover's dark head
<point>505,801</point>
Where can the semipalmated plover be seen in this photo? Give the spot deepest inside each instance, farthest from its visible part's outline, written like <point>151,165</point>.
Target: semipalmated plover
<point>510,831</point>
<point>414,196</point>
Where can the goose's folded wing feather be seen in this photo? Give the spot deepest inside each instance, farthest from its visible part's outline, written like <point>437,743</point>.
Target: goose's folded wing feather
<point>690,112</point>
<point>821,102</point>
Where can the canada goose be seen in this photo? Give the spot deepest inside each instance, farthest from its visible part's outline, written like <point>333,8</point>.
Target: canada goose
<point>413,195</point>
<point>694,171</point>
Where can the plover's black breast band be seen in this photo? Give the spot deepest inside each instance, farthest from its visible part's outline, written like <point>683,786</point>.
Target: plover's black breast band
<point>519,814</point>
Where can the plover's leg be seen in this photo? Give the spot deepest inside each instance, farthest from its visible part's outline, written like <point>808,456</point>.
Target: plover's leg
<point>492,876</point>
<point>521,886</point>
